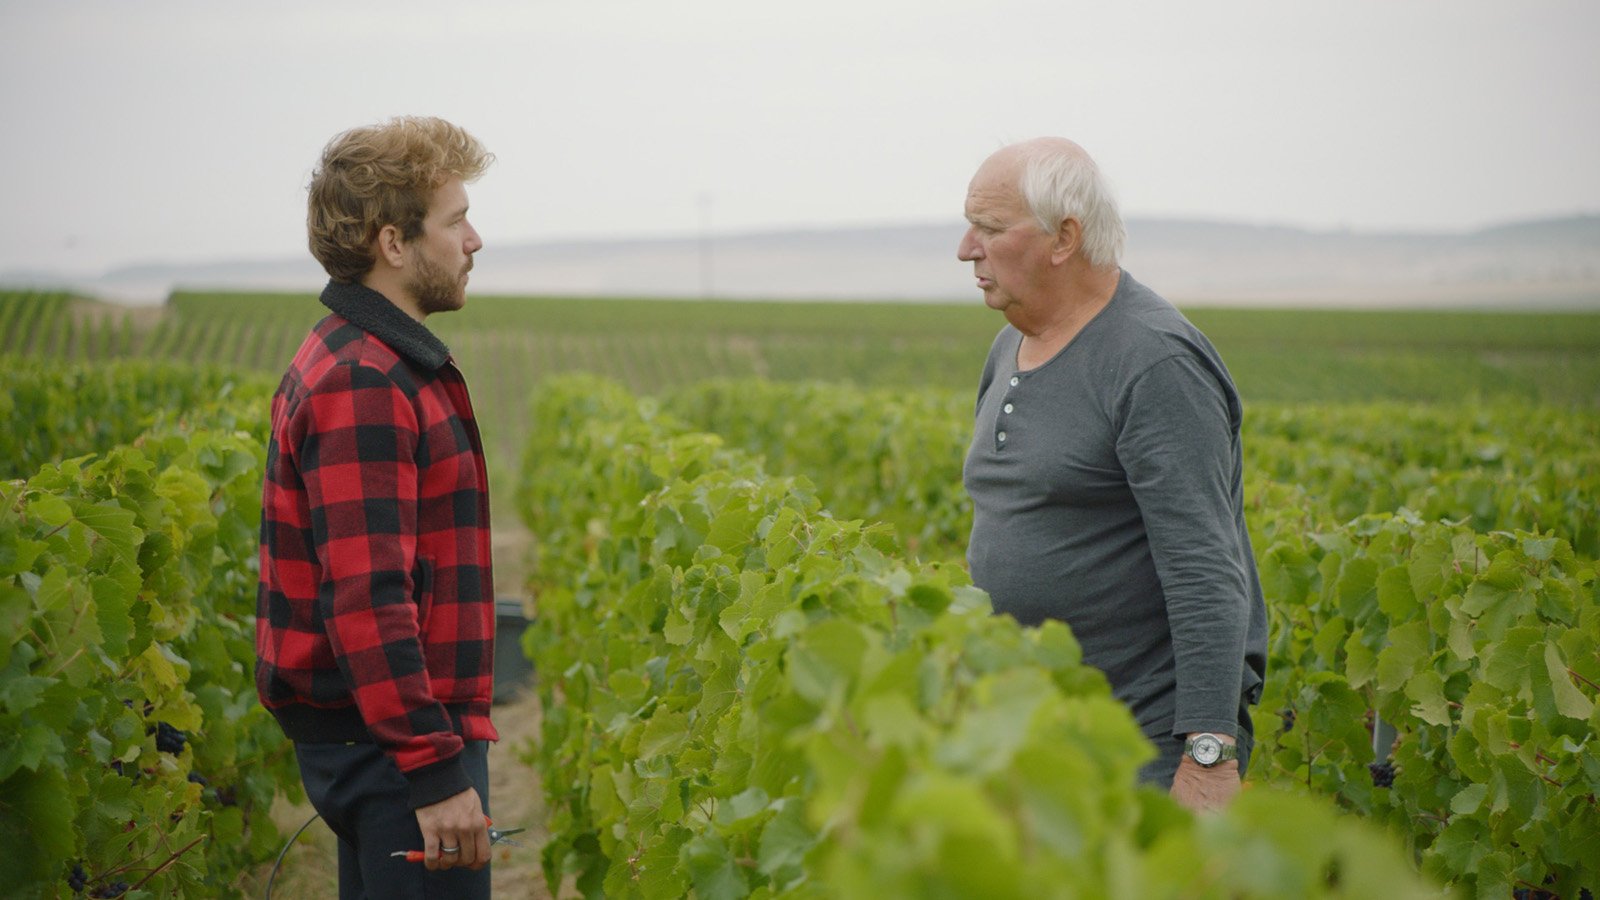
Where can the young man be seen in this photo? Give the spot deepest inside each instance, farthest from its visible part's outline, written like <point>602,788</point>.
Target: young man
<point>375,618</point>
<point>1105,471</point>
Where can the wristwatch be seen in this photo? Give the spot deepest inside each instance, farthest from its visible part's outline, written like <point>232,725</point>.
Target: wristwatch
<point>1208,749</point>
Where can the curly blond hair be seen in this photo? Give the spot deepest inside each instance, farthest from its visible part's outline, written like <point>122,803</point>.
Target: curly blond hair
<point>379,175</point>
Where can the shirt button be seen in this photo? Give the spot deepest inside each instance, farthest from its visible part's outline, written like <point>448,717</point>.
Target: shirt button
<point>1001,437</point>
<point>1015,381</point>
<point>1009,407</point>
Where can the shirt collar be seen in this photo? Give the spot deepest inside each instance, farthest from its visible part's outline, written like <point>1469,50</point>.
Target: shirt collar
<point>377,315</point>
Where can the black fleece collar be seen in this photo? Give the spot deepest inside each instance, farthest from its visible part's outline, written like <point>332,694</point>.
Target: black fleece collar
<point>377,315</point>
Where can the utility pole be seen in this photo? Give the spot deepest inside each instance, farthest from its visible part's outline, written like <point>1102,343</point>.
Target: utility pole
<point>705,245</point>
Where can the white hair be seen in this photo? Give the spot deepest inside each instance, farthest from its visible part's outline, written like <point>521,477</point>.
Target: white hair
<point>1059,182</point>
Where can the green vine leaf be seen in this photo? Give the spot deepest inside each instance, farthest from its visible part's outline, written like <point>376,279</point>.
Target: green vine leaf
<point>1570,701</point>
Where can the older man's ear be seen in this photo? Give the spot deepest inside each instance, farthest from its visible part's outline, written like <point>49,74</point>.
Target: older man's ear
<point>1069,238</point>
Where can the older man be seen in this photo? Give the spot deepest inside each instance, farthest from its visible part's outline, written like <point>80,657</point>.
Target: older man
<point>375,625</point>
<point>1105,468</point>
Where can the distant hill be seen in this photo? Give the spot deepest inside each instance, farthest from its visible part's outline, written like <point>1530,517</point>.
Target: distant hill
<point>1552,263</point>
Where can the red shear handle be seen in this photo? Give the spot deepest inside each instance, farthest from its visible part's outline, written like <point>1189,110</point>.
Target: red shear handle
<point>416,856</point>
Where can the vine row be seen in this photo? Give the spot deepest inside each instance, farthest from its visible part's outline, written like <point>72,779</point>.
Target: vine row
<point>746,697</point>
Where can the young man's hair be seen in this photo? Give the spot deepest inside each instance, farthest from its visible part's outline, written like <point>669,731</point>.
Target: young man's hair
<point>379,175</point>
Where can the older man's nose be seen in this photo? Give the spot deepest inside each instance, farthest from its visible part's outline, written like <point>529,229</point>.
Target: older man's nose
<point>969,249</point>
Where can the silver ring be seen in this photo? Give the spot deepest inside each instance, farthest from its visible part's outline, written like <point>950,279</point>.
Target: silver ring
<point>449,849</point>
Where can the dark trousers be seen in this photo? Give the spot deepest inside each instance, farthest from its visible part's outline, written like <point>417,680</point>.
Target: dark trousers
<point>362,796</point>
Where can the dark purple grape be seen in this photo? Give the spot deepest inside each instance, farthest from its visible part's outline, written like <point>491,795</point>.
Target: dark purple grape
<point>169,739</point>
<point>197,778</point>
<point>1288,720</point>
<point>77,879</point>
<point>1382,774</point>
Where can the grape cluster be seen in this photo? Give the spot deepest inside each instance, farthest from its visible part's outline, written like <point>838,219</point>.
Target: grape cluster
<point>1382,774</point>
<point>77,880</point>
<point>169,739</point>
<point>1539,894</point>
<point>114,889</point>
<point>1288,721</point>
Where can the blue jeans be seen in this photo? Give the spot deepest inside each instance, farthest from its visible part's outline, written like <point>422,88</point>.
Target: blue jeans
<point>363,797</point>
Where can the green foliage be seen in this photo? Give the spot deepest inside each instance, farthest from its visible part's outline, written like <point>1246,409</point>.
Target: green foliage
<point>746,697</point>
<point>66,411</point>
<point>1392,614</point>
<point>1491,467</point>
<point>508,345</point>
<point>895,456</point>
<point>127,585</point>
<point>881,455</point>
<point>28,318</point>
<point>1483,652</point>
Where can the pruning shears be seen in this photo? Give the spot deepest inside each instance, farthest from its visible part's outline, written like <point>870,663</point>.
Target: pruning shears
<point>496,835</point>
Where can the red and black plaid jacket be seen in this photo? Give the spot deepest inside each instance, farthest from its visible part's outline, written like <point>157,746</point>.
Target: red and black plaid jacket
<point>375,615</point>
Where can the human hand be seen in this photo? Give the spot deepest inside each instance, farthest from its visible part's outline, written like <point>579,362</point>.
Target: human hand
<point>1201,789</point>
<point>456,822</point>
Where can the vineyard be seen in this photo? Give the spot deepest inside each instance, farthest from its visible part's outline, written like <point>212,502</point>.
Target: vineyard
<point>507,345</point>
<point>763,671</point>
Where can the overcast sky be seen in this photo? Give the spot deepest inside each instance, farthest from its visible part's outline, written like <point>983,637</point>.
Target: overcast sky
<point>186,131</point>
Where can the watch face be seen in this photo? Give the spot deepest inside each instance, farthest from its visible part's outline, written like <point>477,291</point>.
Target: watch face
<point>1207,750</point>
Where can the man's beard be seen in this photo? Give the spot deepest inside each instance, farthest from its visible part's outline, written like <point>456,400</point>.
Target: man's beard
<point>435,288</point>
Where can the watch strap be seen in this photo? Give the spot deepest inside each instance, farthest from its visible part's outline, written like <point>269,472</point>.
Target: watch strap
<point>1228,751</point>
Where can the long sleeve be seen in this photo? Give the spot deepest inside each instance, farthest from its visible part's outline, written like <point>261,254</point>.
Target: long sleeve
<point>1178,445</point>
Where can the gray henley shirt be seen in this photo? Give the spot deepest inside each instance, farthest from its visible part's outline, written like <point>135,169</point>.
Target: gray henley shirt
<point>1107,493</point>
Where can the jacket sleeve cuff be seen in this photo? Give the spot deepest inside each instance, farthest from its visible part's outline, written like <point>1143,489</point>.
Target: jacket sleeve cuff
<point>437,781</point>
